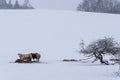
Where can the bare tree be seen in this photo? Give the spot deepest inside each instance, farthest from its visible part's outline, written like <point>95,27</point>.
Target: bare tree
<point>101,47</point>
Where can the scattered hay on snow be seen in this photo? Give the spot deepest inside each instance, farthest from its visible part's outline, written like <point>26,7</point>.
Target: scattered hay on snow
<point>70,60</point>
<point>25,61</point>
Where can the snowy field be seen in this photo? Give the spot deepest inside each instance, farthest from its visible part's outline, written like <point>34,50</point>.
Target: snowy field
<point>56,35</point>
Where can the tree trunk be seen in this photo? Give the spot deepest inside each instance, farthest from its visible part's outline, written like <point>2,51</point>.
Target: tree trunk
<point>100,57</point>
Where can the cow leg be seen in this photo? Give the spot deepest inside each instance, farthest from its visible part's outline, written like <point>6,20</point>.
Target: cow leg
<point>38,59</point>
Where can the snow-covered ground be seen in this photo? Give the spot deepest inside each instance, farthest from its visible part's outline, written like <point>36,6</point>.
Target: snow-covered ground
<point>56,35</point>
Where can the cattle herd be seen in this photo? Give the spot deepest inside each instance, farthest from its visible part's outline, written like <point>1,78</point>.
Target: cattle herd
<point>28,58</point>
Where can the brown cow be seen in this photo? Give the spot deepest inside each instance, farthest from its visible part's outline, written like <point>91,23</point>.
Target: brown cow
<point>24,57</point>
<point>36,56</point>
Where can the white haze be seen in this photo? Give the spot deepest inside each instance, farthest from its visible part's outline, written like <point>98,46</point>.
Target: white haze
<point>53,4</point>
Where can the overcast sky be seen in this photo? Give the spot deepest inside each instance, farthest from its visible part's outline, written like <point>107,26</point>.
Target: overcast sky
<point>54,4</point>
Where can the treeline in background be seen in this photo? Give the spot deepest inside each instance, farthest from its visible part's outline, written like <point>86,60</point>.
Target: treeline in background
<point>9,5</point>
<point>104,6</point>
